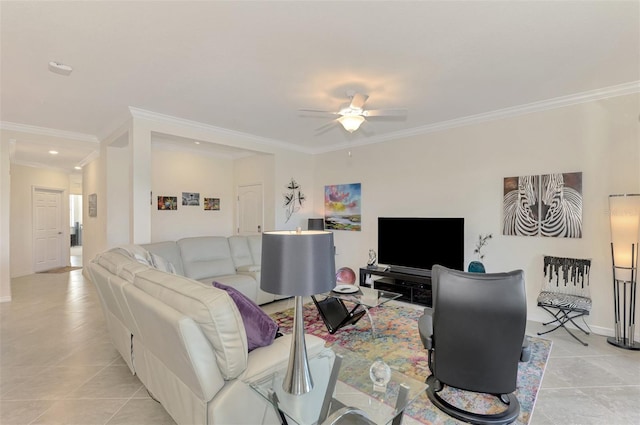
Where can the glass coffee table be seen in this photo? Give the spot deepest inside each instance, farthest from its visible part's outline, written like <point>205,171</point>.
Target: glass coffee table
<point>335,314</point>
<point>343,392</point>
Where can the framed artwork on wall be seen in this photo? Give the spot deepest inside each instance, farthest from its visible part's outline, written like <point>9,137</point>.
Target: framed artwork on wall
<point>167,202</point>
<point>342,207</point>
<point>543,205</point>
<point>190,198</point>
<point>212,204</point>
<point>93,205</point>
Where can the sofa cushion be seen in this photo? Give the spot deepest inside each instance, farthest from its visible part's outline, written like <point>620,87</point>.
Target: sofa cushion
<point>168,250</point>
<point>255,246</point>
<point>138,253</point>
<point>243,283</point>
<point>162,264</point>
<point>206,256</point>
<point>261,329</point>
<point>120,263</point>
<point>212,308</point>
<point>240,252</point>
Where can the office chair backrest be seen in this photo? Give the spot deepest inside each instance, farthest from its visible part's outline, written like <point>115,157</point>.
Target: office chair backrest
<point>479,322</point>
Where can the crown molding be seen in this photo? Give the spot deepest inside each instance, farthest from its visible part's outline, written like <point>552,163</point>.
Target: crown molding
<point>43,131</point>
<point>215,131</point>
<point>558,102</point>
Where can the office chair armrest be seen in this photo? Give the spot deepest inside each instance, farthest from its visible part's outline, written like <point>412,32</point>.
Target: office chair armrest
<point>425,328</point>
<point>525,354</point>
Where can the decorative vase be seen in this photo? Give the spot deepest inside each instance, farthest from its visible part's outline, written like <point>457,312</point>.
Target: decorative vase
<point>380,374</point>
<point>476,267</point>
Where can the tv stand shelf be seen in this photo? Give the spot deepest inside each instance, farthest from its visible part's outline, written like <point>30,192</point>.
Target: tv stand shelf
<point>414,288</point>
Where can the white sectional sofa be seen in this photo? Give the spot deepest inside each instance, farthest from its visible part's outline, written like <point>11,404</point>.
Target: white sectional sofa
<point>233,261</point>
<point>183,337</point>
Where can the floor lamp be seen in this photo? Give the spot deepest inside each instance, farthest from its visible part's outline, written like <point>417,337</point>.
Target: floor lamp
<point>298,263</point>
<point>625,235</point>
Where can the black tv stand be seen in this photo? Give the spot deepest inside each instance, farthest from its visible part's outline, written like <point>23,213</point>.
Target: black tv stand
<point>415,288</point>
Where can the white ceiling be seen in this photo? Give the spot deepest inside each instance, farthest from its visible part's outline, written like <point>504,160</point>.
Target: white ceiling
<point>248,66</point>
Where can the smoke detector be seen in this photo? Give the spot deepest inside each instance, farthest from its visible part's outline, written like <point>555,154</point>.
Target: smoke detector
<point>60,68</point>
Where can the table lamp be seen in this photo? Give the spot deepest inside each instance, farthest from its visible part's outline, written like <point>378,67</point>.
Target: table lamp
<point>625,235</point>
<point>297,263</point>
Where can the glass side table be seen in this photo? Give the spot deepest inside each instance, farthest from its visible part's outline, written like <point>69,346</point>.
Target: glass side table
<point>343,392</point>
<point>335,314</point>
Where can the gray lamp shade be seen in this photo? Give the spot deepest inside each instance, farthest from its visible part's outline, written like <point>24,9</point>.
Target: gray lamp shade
<point>297,263</point>
<point>316,224</point>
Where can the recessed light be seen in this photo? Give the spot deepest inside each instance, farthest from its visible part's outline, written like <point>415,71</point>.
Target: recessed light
<point>60,68</point>
<point>77,167</point>
<point>52,152</point>
<point>197,143</point>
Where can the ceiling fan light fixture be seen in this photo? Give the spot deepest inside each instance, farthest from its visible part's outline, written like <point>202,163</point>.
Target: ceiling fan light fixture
<point>351,122</point>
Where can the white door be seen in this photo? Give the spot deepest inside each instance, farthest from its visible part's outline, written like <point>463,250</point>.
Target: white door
<point>250,210</point>
<point>48,235</point>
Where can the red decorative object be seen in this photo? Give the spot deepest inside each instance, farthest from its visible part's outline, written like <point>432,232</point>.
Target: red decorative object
<point>345,275</point>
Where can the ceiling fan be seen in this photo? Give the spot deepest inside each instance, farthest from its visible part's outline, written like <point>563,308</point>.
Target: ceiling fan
<point>353,114</point>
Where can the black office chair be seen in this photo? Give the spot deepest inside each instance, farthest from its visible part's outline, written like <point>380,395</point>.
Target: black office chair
<point>474,334</point>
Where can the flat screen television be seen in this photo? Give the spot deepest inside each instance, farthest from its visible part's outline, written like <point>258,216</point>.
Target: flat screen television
<point>415,244</point>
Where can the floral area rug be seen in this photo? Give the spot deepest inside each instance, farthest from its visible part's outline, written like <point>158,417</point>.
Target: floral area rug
<point>398,344</point>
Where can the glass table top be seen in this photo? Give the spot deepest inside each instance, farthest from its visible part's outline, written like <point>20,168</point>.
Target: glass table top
<point>351,389</point>
<point>367,297</point>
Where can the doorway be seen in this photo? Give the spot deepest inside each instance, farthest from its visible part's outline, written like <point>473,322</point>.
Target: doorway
<point>250,210</point>
<point>75,230</point>
<point>48,232</point>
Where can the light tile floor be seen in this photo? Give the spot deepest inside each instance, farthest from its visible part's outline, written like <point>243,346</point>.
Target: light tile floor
<point>57,366</point>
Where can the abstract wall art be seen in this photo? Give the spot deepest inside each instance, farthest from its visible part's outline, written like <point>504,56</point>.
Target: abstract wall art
<point>342,207</point>
<point>293,199</point>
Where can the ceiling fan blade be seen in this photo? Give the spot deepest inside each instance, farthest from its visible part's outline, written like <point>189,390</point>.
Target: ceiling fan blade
<point>385,112</point>
<point>319,111</point>
<point>358,100</point>
<point>326,127</point>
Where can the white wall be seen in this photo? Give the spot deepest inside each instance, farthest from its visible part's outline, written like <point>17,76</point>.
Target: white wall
<point>174,172</point>
<point>23,179</point>
<point>5,203</point>
<point>459,172</point>
<point>94,233</point>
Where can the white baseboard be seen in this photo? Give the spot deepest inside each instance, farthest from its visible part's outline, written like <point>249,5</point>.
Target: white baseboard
<point>541,316</point>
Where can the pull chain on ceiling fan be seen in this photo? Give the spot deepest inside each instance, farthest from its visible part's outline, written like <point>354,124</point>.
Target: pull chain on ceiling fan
<point>354,114</point>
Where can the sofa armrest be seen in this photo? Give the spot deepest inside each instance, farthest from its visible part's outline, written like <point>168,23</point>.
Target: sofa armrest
<point>263,360</point>
<point>425,328</point>
<point>250,268</point>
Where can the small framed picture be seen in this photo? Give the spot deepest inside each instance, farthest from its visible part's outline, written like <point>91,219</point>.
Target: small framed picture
<point>167,202</point>
<point>211,204</point>
<point>190,198</point>
<point>93,205</point>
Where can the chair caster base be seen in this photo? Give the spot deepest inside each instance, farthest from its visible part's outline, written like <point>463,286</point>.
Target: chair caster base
<point>509,415</point>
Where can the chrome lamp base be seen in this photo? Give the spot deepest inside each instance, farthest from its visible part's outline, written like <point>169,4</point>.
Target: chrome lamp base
<point>297,380</point>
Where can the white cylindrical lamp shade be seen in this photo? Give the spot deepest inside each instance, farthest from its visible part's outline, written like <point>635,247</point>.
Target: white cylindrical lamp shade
<point>297,263</point>
<point>625,233</point>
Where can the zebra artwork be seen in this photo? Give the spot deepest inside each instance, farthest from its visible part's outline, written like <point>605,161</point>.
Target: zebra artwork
<point>561,207</point>
<point>547,205</point>
<point>520,206</point>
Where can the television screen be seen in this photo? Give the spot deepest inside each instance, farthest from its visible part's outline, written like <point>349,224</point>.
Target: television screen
<point>415,244</point>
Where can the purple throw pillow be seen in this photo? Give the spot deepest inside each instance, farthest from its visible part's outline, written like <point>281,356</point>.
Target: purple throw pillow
<point>260,328</point>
